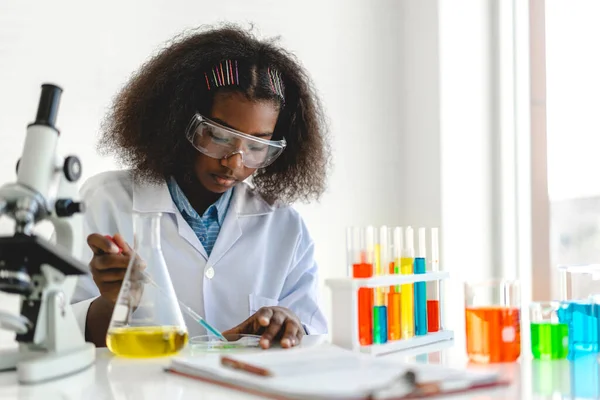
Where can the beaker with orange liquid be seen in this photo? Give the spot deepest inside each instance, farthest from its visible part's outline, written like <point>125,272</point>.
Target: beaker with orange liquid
<point>493,321</point>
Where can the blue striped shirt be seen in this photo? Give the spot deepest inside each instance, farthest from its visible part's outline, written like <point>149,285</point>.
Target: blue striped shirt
<point>207,226</point>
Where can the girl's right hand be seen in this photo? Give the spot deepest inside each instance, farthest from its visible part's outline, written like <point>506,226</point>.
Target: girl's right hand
<point>109,264</point>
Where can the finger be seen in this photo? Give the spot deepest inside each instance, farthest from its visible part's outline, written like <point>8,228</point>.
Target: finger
<point>109,275</point>
<point>290,333</point>
<point>244,327</point>
<point>108,261</point>
<point>101,245</point>
<point>299,336</point>
<point>120,241</point>
<point>264,315</point>
<point>301,333</point>
<point>273,330</point>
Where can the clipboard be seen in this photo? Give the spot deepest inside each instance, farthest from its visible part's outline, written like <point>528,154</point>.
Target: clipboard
<point>292,374</point>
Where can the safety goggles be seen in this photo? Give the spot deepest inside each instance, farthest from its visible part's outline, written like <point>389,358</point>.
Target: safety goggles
<point>220,142</point>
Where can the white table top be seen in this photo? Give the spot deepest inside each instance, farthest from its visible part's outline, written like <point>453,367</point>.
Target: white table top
<point>115,378</point>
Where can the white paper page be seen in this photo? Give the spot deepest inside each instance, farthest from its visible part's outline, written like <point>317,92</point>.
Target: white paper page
<point>327,372</point>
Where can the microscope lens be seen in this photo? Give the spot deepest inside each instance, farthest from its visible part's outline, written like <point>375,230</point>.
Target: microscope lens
<point>15,281</point>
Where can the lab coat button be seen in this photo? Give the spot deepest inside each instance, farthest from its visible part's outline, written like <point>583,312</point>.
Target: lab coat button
<point>210,273</point>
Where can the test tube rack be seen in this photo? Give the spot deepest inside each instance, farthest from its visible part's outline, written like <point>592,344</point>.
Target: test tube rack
<point>344,323</point>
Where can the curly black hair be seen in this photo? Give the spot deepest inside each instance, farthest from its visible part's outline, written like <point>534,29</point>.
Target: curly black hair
<point>145,126</point>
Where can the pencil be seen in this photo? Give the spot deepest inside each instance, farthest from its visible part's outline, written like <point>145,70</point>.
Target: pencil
<point>242,366</point>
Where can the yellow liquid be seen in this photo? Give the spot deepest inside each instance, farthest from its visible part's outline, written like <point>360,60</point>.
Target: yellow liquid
<point>379,292</point>
<point>407,301</point>
<point>146,341</point>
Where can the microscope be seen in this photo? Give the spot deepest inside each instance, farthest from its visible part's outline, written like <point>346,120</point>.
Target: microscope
<point>43,274</point>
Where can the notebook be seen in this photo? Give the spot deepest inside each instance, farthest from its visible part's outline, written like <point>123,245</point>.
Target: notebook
<point>329,373</point>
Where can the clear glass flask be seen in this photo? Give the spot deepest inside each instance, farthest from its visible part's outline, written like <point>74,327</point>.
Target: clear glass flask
<point>147,319</point>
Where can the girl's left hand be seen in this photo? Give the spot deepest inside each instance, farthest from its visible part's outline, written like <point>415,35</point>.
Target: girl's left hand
<point>273,324</point>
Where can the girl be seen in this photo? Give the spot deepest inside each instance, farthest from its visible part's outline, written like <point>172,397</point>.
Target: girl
<point>210,112</point>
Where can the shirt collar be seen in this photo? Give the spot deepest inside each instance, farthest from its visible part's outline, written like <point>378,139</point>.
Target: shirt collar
<point>157,198</point>
<point>183,205</point>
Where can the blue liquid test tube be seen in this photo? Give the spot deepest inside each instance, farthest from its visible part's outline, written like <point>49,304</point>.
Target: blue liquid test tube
<point>420,267</point>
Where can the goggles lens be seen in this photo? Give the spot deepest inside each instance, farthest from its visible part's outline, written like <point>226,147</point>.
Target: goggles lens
<point>220,142</point>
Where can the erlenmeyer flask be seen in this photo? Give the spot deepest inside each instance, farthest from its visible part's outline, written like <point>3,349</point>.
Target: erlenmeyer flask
<point>146,320</point>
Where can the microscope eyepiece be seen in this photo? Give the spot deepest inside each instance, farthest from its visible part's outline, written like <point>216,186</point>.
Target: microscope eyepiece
<point>48,105</point>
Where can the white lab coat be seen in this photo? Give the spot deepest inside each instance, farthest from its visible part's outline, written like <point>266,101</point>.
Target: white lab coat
<point>263,256</point>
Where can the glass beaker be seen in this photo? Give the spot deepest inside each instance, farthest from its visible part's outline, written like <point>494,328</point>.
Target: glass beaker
<point>146,320</point>
<point>579,282</point>
<point>549,337</point>
<point>493,321</point>
<point>580,308</point>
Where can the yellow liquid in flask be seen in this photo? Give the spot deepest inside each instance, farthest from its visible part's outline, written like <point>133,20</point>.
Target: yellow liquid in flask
<point>143,342</point>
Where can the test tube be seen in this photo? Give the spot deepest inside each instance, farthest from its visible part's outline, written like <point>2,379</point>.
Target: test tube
<point>350,251</point>
<point>580,309</point>
<point>380,330</point>
<point>433,301</point>
<point>361,269</point>
<point>394,296</point>
<point>420,267</point>
<point>407,320</point>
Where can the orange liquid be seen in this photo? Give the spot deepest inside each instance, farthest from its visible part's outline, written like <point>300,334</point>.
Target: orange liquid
<point>433,315</point>
<point>365,304</point>
<point>493,334</point>
<point>394,332</point>
<point>392,271</point>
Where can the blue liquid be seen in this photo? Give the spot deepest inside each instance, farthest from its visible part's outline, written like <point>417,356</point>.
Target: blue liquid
<point>585,377</point>
<point>420,300</point>
<point>582,318</point>
<point>380,329</point>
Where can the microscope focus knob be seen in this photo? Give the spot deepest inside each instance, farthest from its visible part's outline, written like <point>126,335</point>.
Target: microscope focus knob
<point>68,207</point>
<point>72,168</point>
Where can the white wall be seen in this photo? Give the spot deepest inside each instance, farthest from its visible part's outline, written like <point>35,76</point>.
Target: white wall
<point>406,86</point>
<point>354,51</point>
<point>465,115</point>
<point>484,162</point>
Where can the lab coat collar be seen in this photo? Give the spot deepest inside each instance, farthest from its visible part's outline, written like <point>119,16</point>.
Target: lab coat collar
<point>244,203</point>
<point>156,198</point>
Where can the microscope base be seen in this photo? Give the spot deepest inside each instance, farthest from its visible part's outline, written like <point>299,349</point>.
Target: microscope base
<point>36,367</point>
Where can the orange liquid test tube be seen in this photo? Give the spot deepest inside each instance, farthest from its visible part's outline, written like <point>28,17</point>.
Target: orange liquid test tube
<point>433,288</point>
<point>394,302</point>
<point>361,269</point>
<point>393,308</point>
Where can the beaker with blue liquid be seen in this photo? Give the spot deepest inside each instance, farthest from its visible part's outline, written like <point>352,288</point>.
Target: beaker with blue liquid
<point>580,308</point>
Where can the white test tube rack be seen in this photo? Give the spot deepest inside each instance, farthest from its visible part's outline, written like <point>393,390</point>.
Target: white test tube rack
<point>344,323</point>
